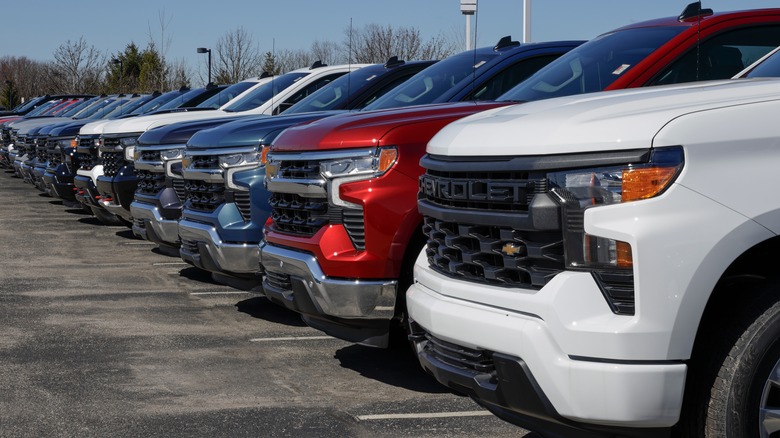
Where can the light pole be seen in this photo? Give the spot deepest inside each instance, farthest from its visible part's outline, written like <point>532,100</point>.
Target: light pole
<point>205,50</point>
<point>526,21</point>
<point>468,8</point>
<point>116,61</point>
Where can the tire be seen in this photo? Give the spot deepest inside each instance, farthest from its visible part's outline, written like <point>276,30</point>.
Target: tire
<point>735,390</point>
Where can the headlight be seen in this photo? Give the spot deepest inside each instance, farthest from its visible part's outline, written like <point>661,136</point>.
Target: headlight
<point>580,189</point>
<point>365,164</point>
<point>241,159</point>
<point>98,142</point>
<point>171,154</point>
<point>75,142</point>
<point>128,141</point>
<point>64,143</point>
<point>130,153</point>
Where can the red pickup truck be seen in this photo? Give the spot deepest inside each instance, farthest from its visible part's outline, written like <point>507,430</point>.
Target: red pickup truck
<point>344,230</point>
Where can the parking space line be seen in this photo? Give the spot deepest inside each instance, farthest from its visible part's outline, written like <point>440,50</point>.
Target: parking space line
<point>292,338</point>
<point>138,243</point>
<point>170,264</point>
<point>424,415</point>
<point>232,292</point>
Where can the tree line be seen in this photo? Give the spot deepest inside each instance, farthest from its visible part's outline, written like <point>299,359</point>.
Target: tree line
<point>79,67</point>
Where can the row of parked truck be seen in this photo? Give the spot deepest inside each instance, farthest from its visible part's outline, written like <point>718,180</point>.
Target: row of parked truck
<point>590,264</point>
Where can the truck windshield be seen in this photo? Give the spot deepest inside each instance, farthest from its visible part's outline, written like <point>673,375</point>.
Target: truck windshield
<point>426,86</point>
<point>265,92</point>
<point>337,92</point>
<point>594,65</point>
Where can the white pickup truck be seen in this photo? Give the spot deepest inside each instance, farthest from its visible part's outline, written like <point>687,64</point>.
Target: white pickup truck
<point>604,265</point>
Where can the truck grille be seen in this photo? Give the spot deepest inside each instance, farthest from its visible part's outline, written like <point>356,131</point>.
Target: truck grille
<point>53,153</point>
<point>471,241</point>
<point>112,162</point>
<point>40,151</point>
<point>295,214</point>
<point>21,145</point>
<point>151,156</point>
<point>299,169</point>
<point>203,196</point>
<point>205,162</point>
<point>88,152</point>
<point>149,183</point>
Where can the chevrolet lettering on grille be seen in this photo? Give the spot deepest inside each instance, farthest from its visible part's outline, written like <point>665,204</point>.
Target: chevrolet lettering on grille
<point>471,190</point>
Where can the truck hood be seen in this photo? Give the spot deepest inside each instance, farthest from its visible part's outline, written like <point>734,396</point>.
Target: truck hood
<point>362,129</point>
<point>24,126</point>
<point>180,132</point>
<point>604,121</point>
<point>71,128</point>
<point>251,130</point>
<point>145,123</point>
<point>94,128</point>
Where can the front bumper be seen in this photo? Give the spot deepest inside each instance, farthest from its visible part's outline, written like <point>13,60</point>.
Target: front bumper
<point>37,176</point>
<point>355,310</point>
<point>149,224</point>
<point>203,247</point>
<point>60,182</point>
<point>85,188</point>
<point>533,376</point>
<point>116,192</point>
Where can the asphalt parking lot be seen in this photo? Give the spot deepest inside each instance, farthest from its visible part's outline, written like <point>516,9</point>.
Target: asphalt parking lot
<point>102,336</point>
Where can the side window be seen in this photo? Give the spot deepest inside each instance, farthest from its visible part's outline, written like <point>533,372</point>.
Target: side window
<point>508,78</point>
<point>721,56</point>
<point>307,90</point>
<point>383,90</point>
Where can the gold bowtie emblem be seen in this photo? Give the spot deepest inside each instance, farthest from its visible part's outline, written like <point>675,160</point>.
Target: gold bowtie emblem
<point>510,249</point>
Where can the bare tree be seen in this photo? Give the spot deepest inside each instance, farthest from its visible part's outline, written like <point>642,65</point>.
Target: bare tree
<point>238,57</point>
<point>77,67</point>
<point>28,77</point>
<point>327,52</point>
<point>375,43</point>
<point>286,59</point>
<point>157,77</point>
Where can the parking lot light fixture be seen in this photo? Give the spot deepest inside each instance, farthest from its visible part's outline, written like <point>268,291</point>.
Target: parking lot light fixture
<point>205,50</point>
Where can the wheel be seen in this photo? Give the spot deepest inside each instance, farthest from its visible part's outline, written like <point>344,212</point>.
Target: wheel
<point>735,390</point>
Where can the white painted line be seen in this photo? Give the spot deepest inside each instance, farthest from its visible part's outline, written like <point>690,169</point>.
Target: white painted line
<point>424,415</point>
<point>138,243</point>
<point>170,264</point>
<point>293,338</point>
<point>236,292</point>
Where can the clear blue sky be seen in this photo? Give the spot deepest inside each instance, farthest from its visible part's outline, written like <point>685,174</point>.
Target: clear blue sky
<point>35,28</point>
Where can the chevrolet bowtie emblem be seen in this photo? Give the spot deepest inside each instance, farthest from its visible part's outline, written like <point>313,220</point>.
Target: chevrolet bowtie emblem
<point>510,249</point>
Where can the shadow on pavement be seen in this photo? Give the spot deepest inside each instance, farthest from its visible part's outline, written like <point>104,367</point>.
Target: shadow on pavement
<point>259,307</point>
<point>394,366</point>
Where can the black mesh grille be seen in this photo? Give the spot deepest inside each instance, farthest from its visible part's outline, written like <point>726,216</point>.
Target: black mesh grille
<point>53,153</point>
<point>88,153</point>
<point>477,361</point>
<point>295,214</point>
<point>242,203</point>
<point>495,255</point>
<point>205,162</point>
<point>149,183</point>
<point>151,156</point>
<point>299,169</point>
<point>204,196</point>
<point>40,151</point>
<point>112,162</point>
